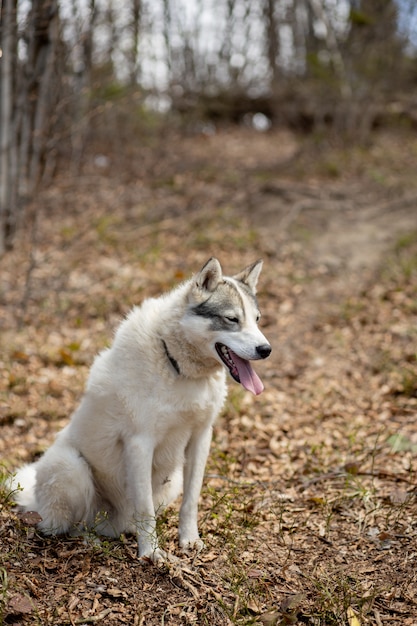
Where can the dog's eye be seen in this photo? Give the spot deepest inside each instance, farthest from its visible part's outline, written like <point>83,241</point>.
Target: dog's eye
<point>258,317</point>
<point>232,320</point>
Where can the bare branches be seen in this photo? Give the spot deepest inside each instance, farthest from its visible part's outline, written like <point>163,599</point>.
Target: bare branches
<point>304,63</point>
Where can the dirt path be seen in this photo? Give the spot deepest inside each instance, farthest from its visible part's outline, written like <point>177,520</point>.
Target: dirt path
<point>345,232</point>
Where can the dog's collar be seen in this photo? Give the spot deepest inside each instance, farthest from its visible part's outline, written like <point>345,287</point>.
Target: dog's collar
<point>171,358</point>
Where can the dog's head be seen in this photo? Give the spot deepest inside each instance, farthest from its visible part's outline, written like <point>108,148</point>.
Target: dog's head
<point>222,320</point>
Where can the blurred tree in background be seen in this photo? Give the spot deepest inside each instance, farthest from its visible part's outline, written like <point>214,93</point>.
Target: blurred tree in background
<point>80,71</point>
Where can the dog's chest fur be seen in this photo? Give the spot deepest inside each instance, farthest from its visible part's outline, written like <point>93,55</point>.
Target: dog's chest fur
<point>139,376</point>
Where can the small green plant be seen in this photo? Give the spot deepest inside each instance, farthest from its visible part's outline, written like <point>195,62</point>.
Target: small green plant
<point>337,594</point>
<point>351,308</point>
<point>401,265</point>
<point>331,169</point>
<point>401,443</point>
<point>106,228</point>
<point>6,491</point>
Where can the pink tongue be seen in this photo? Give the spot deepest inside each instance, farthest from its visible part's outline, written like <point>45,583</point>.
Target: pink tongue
<point>248,377</point>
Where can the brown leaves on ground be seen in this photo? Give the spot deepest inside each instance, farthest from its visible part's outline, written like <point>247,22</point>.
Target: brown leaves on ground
<point>309,509</point>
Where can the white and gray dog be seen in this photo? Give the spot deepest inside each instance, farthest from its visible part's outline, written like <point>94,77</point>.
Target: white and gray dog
<point>142,432</point>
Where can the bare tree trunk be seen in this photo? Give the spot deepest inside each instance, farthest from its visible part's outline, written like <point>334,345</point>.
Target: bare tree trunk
<point>45,33</point>
<point>320,12</point>
<point>29,93</point>
<point>83,84</point>
<point>167,35</point>
<point>272,42</point>
<point>8,177</point>
<point>136,23</point>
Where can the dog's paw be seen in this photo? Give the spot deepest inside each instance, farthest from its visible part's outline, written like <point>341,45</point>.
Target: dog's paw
<point>154,556</point>
<point>158,557</point>
<point>193,545</point>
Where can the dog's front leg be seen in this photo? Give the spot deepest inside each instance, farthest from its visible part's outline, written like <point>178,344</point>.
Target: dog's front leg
<point>195,463</point>
<point>140,457</point>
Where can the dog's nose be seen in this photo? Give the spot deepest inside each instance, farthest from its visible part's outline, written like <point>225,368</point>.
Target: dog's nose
<point>264,350</point>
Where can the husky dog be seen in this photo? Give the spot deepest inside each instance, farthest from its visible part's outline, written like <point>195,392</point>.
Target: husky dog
<point>142,432</point>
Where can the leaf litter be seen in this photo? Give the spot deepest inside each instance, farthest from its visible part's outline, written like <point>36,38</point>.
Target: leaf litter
<point>309,506</point>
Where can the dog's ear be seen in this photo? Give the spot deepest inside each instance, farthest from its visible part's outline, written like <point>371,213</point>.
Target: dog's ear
<point>250,275</point>
<point>209,276</point>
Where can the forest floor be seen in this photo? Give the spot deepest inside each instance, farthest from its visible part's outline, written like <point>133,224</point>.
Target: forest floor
<point>309,506</point>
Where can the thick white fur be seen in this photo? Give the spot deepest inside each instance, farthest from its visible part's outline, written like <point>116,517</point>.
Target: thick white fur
<point>142,432</point>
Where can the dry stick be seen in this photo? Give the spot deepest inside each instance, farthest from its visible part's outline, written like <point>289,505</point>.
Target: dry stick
<point>404,202</point>
<point>317,479</point>
<point>378,474</point>
<point>93,618</point>
<point>396,477</point>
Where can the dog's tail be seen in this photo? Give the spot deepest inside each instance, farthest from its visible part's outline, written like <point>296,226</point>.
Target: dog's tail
<point>22,487</point>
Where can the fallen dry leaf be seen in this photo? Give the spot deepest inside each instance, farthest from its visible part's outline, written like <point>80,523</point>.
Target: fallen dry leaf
<point>398,496</point>
<point>113,592</point>
<point>254,606</point>
<point>270,618</point>
<point>20,605</point>
<point>352,618</point>
<point>30,518</point>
